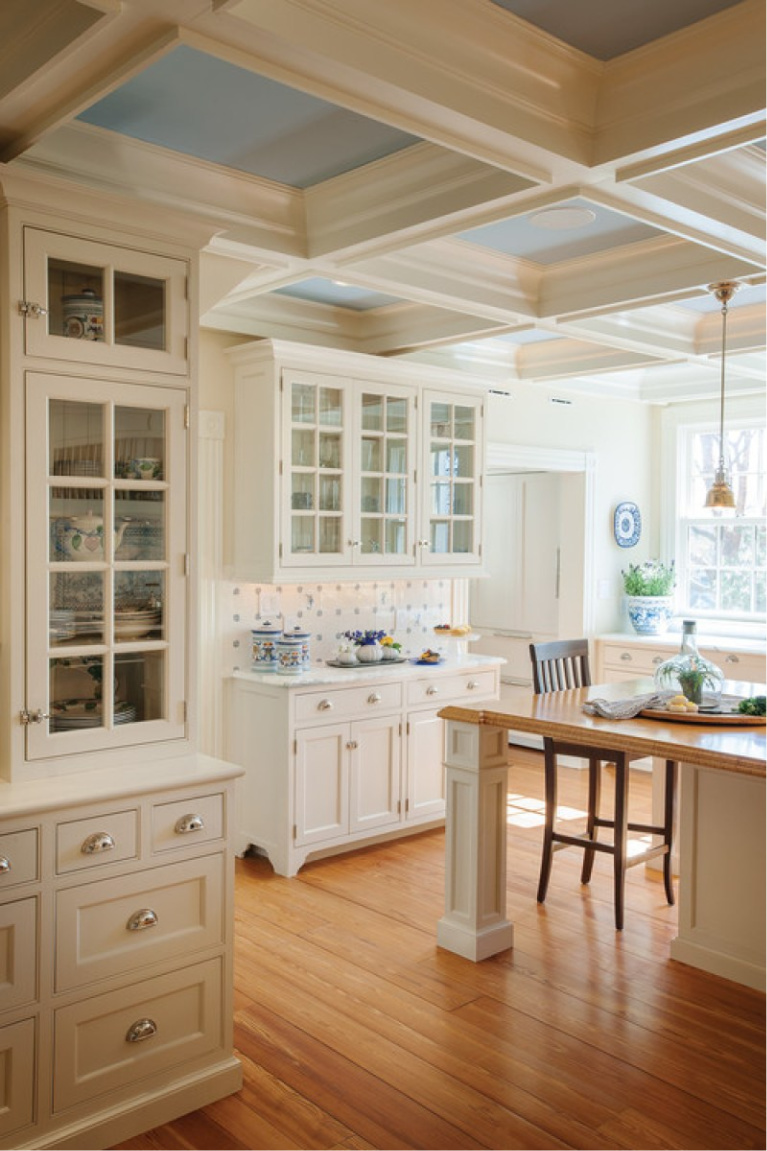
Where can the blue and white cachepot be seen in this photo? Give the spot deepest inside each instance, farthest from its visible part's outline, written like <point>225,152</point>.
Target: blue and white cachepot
<point>650,614</point>
<point>289,655</point>
<point>265,637</point>
<point>299,633</point>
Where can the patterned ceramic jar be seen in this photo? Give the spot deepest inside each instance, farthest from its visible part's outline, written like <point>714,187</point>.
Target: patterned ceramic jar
<point>289,656</point>
<point>650,614</point>
<point>298,633</point>
<point>265,638</point>
<point>83,315</point>
<point>369,651</point>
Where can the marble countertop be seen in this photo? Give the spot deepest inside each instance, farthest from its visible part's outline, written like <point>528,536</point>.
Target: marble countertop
<point>320,676</point>
<point>743,644</point>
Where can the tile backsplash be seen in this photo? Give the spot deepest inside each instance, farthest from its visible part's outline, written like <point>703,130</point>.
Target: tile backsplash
<point>406,609</point>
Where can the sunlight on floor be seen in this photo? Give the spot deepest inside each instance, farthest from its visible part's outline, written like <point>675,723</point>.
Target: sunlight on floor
<point>525,811</point>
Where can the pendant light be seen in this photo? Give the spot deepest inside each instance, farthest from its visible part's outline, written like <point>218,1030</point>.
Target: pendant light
<point>719,496</point>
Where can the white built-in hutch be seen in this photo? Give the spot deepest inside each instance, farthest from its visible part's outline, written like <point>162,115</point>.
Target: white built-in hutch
<point>116,864</point>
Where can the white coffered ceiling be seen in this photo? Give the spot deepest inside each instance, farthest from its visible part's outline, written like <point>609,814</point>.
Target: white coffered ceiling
<point>490,184</point>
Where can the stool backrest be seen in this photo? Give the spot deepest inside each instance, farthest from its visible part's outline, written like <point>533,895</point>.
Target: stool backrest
<point>560,665</point>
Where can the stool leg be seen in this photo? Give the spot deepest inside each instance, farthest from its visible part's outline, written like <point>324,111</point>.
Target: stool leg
<point>668,825</point>
<point>595,778</point>
<point>550,783</point>
<point>621,820</point>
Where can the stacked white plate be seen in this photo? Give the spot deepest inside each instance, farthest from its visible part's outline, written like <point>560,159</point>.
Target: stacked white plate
<point>62,625</point>
<point>81,714</point>
<point>133,623</point>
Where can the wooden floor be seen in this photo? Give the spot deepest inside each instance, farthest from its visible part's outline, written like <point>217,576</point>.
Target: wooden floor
<point>356,1031</point>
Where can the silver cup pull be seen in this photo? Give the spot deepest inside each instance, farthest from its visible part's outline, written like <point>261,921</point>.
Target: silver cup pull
<point>324,705</point>
<point>473,684</point>
<point>374,697</point>
<point>142,919</point>
<point>99,841</point>
<point>142,1029</point>
<point>189,823</point>
<point>5,864</point>
<point>432,690</point>
<point>732,659</point>
<point>626,656</point>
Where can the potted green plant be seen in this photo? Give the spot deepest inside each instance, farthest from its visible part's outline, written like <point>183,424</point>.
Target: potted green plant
<point>649,591</point>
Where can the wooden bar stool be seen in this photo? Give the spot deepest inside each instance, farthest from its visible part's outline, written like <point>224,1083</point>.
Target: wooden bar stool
<point>559,666</point>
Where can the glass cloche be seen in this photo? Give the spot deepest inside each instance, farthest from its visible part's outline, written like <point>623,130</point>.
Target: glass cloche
<point>688,672</point>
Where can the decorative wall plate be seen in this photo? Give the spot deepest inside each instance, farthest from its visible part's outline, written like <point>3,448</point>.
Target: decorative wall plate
<point>627,525</point>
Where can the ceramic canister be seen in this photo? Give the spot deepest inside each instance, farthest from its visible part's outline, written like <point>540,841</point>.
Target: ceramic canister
<point>265,637</point>
<point>289,655</point>
<point>83,315</point>
<point>299,633</point>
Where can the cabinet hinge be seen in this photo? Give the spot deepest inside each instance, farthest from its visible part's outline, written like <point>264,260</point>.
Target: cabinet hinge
<point>27,308</point>
<point>407,806</point>
<point>186,347</point>
<point>280,467</point>
<point>408,727</point>
<point>280,551</point>
<point>185,709</point>
<point>479,551</point>
<point>415,475</point>
<point>400,729</point>
<point>187,416</point>
<point>295,747</point>
<point>295,831</point>
<point>186,563</point>
<point>399,807</point>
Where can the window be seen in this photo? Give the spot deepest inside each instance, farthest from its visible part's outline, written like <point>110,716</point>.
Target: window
<point>721,561</point>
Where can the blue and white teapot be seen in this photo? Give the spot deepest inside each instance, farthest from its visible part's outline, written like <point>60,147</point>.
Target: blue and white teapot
<point>82,537</point>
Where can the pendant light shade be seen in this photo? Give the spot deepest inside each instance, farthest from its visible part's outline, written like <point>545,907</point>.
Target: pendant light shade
<point>720,496</point>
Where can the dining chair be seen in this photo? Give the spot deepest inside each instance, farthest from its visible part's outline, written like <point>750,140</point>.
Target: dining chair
<point>563,665</point>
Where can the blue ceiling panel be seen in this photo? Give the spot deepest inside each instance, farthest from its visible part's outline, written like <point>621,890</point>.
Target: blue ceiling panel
<point>319,291</point>
<point>516,236</point>
<point>201,106</point>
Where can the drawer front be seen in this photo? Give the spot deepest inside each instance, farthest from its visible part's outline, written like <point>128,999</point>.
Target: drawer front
<point>744,666</point>
<point>441,688</point>
<point>634,661</point>
<point>187,822</point>
<point>348,702</point>
<point>107,1042</point>
<point>17,1074</point>
<point>18,953</point>
<point>19,858</point>
<point>97,840</point>
<point>111,927</point>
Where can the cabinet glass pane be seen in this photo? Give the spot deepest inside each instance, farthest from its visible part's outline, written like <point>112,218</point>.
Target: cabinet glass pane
<point>440,499</point>
<point>139,606</point>
<point>463,499</point>
<point>441,457</point>
<point>396,456</point>
<point>396,537</point>
<point>396,416</point>
<point>140,311</point>
<point>371,455</point>
<point>140,686</point>
<point>302,451</point>
<point>331,408</point>
<point>330,493</point>
<point>371,536</point>
<point>302,534</point>
<point>330,535</point>
<point>303,401</point>
<point>139,521</point>
<point>76,693</point>
<point>464,423</point>
<point>463,536</point>
<point>330,450</point>
<point>75,439</point>
<point>440,537</point>
<point>440,420</point>
<point>76,526</point>
<point>370,494</point>
<point>139,444</point>
<point>396,496</point>
<point>302,491</point>
<point>75,300</point>
<point>463,462</point>
<point>76,612</point>
<point>372,413</point>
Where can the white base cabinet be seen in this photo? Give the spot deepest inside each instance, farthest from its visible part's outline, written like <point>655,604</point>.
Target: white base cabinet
<point>623,657</point>
<point>116,952</point>
<point>329,766</point>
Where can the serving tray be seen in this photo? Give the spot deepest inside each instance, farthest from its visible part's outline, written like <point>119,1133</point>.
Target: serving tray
<point>724,718</point>
<point>365,666</point>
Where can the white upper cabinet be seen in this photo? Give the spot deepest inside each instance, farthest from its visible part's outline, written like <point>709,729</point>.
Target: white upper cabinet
<point>329,467</point>
<point>103,304</point>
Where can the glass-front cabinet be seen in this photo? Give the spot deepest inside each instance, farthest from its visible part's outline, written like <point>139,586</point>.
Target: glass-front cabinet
<point>106,563</point>
<point>451,491</point>
<point>383,471</point>
<point>104,304</point>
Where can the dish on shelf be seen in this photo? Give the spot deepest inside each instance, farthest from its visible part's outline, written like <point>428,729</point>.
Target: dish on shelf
<point>133,624</point>
<point>427,662</point>
<point>80,714</point>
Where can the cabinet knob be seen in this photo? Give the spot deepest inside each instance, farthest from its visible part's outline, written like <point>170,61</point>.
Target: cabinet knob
<point>140,1030</point>
<point>374,697</point>
<point>5,864</point>
<point>432,690</point>
<point>99,841</point>
<point>424,543</point>
<point>28,308</point>
<point>352,744</point>
<point>325,705</point>
<point>38,716</point>
<point>353,543</point>
<point>626,656</point>
<point>472,684</point>
<point>732,659</point>
<point>189,823</point>
<point>658,659</point>
<point>142,919</point>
